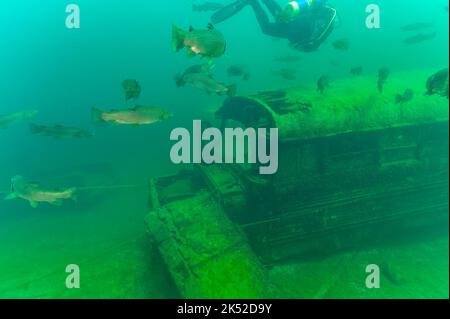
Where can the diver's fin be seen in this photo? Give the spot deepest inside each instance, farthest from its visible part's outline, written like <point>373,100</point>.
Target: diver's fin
<point>228,11</point>
<point>11,196</point>
<point>34,204</point>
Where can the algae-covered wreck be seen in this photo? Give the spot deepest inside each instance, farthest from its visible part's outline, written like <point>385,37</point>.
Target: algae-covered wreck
<point>354,165</point>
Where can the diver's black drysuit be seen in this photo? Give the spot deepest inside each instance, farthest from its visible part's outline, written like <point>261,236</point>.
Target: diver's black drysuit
<point>306,32</point>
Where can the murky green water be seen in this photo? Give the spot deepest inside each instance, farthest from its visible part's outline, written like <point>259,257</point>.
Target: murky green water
<point>63,73</point>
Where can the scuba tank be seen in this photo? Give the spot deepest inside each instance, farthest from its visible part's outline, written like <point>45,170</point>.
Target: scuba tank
<point>294,8</point>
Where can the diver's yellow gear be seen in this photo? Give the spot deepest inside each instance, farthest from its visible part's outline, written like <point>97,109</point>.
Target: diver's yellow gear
<point>294,8</point>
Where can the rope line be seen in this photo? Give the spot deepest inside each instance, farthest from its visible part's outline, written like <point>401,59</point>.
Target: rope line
<point>112,187</point>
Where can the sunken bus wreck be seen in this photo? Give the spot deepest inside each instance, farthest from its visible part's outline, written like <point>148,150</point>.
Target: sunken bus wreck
<point>354,166</point>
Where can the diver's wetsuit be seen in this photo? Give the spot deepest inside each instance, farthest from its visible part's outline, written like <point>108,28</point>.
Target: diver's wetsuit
<point>306,32</point>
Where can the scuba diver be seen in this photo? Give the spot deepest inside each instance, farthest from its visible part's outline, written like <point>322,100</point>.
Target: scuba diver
<point>305,23</point>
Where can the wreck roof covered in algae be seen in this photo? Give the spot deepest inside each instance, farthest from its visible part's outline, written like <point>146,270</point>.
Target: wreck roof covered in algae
<point>348,105</point>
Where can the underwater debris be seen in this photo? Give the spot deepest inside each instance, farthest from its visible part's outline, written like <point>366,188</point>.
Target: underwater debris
<point>323,83</point>
<point>131,88</point>
<point>35,194</point>
<point>208,43</point>
<point>59,131</point>
<point>383,75</point>
<point>438,83</point>
<point>341,45</point>
<point>404,97</point>
<point>329,135</point>
<point>218,251</point>
<point>139,115</point>
<point>9,119</point>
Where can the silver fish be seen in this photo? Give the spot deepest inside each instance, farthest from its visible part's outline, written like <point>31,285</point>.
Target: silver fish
<point>139,115</point>
<point>35,194</point>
